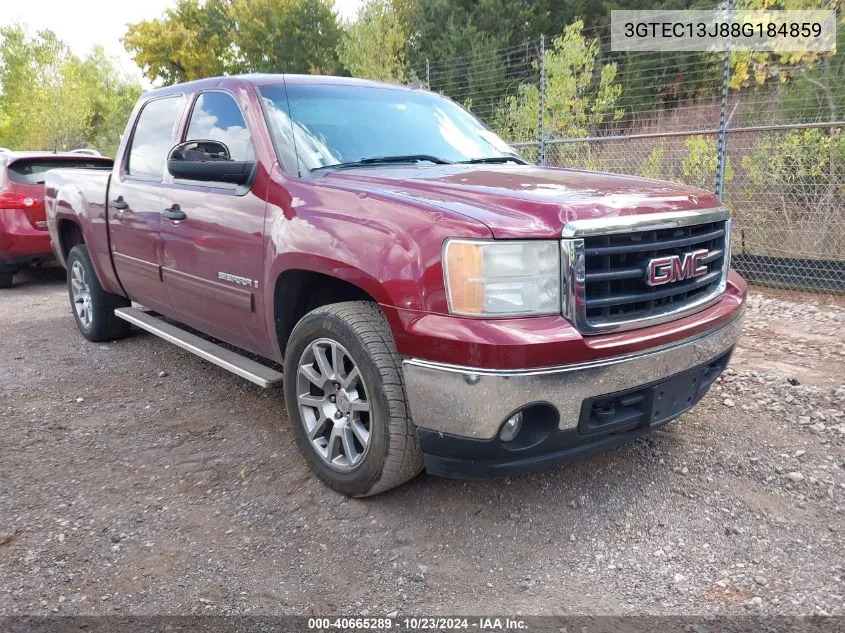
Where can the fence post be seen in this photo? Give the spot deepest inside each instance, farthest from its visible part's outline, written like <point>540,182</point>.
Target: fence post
<point>541,119</point>
<point>427,75</point>
<point>722,145</point>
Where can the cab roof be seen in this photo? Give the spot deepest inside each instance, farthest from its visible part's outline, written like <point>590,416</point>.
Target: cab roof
<point>267,79</point>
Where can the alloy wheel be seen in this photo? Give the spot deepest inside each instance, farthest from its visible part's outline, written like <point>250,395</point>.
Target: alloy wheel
<point>81,294</point>
<point>333,404</point>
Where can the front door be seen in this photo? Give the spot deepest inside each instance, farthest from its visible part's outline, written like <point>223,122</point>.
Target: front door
<point>135,203</point>
<point>212,258</point>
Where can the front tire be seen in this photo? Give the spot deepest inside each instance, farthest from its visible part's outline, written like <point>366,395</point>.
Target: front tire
<point>6,280</point>
<point>345,396</point>
<point>93,308</point>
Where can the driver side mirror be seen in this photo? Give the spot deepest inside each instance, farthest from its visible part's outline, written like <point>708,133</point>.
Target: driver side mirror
<point>207,161</point>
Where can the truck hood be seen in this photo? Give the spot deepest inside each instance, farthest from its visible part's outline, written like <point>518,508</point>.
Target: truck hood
<point>524,201</point>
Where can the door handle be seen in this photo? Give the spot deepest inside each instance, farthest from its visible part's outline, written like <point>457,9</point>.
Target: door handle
<point>120,204</point>
<point>174,213</point>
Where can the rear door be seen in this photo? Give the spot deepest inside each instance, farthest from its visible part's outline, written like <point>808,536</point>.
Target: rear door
<point>135,202</point>
<point>212,260</point>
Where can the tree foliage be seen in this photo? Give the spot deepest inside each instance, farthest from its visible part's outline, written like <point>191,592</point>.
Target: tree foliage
<point>445,31</point>
<point>574,102</point>
<point>190,41</point>
<point>755,68</point>
<point>373,45</point>
<point>700,163</point>
<point>53,99</point>
<point>284,36</point>
<point>204,39</point>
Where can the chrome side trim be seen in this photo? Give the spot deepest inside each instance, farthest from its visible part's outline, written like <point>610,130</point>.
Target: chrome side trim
<point>573,273</point>
<point>645,222</point>
<point>474,403</point>
<point>257,373</point>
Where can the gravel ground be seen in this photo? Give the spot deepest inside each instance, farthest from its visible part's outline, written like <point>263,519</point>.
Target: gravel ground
<point>137,479</point>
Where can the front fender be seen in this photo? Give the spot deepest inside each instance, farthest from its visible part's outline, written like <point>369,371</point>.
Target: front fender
<point>389,248</point>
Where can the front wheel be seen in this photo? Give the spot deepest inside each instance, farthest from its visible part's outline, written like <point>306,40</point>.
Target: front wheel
<point>6,280</point>
<point>346,400</point>
<point>93,307</point>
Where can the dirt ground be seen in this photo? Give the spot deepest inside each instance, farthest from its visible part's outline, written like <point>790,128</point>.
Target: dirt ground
<point>138,479</point>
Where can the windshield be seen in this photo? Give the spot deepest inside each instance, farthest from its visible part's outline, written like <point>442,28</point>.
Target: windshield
<point>335,124</point>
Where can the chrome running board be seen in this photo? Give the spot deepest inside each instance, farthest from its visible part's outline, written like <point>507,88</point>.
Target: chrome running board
<point>257,373</point>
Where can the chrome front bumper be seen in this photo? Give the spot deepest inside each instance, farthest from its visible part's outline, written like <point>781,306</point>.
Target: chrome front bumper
<point>474,403</point>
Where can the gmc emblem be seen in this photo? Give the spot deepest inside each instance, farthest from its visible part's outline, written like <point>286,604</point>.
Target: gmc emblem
<point>664,270</point>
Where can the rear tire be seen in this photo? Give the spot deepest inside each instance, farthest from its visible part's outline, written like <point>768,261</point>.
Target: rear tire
<point>345,396</point>
<point>93,308</point>
<point>6,280</point>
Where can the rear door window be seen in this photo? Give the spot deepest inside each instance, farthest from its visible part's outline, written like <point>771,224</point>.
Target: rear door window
<point>153,138</point>
<point>33,171</point>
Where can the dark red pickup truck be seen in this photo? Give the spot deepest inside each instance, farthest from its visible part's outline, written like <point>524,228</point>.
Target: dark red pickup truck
<point>435,301</point>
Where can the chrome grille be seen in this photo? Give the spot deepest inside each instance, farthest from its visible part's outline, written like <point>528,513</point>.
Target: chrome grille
<point>606,261</point>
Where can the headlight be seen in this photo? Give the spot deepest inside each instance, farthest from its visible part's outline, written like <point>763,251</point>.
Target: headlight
<point>513,278</point>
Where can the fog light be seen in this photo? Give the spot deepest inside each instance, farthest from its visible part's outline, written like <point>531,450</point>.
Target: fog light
<point>511,427</point>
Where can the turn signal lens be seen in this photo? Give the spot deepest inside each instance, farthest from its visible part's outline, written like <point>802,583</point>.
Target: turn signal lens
<point>507,278</point>
<point>464,270</point>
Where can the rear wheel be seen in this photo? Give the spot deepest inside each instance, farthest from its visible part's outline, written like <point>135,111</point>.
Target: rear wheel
<point>93,307</point>
<point>6,280</point>
<point>346,399</point>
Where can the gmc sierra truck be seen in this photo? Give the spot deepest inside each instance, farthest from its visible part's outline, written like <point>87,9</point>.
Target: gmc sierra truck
<point>432,300</point>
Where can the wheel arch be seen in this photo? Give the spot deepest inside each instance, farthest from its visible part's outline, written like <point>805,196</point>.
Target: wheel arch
<point>70,235</point>
<point>297,291</point>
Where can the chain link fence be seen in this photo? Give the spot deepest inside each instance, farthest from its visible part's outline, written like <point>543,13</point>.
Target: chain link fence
<point>568,101</point>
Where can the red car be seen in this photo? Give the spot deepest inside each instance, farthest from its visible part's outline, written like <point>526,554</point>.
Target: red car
<point>436,301</point>
<point>24,239</point>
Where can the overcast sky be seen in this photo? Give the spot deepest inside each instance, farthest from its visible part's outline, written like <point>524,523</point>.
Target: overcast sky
<point>82,24</point>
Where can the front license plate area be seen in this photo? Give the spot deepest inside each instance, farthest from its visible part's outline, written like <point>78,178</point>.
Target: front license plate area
<point>650,405</point>
<point>674,396</point>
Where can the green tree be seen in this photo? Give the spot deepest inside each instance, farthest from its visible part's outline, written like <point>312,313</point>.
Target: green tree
<point>577,99</point>
<point>25,63</point>
<point>190,41</point>
<point>794,168</point>
<point>52,99</point>
<point>699,165</point>
<point>62,112</point>
<point>755,68</point>
<point>373,45</point>
<point>443,31</point>
<point>652,166</point>
<point>475,48</point>
<point>110,98</point>
<point>199,39</point>
<point>285,36</point>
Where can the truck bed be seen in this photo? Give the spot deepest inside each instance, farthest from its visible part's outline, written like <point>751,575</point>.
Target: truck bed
<point>82,188</point>
<point>80,194</point>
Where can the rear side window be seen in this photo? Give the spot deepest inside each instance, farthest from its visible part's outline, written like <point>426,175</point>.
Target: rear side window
<point>32,171</point>
<point>217,117</point>
<point>153,138</point>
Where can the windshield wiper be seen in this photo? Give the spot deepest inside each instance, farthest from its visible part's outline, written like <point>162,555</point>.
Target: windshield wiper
<point>386,160</point>
<point>494,160</point>
<point>410,158</point>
